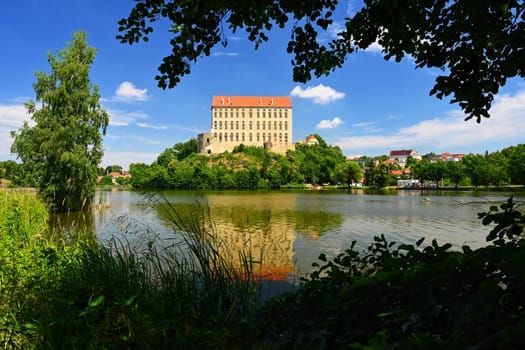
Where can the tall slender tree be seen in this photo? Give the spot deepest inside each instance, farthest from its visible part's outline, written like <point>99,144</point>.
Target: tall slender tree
<point>64,147</point>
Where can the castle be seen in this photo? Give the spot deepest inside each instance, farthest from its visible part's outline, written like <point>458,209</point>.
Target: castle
<point>262,121</point>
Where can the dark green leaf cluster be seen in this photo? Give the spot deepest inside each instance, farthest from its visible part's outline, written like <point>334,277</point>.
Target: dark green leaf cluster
<point>409,297</point>
<point>477,44</point>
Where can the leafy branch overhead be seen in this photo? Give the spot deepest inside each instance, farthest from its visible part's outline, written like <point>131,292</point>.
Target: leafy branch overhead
<point>478,45</point>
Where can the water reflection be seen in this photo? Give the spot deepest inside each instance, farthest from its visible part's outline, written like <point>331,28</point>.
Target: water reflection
<point>290,229</point>
<point>267,227</point>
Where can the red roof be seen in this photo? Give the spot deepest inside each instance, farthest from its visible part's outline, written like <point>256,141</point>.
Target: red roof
<point>252,101</point>
<point>403,152</point>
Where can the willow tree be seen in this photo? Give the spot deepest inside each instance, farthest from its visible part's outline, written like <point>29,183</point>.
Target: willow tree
<point>64,146</point>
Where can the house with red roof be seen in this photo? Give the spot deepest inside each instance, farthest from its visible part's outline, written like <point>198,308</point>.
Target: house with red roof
<point>402,155</point>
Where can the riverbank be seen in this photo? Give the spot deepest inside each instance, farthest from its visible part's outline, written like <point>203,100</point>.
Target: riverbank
<point>67,291</point>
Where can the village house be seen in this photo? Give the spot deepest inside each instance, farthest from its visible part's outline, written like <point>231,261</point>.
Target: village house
<point>402,156</point>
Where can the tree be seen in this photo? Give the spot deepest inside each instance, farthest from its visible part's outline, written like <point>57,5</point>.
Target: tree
<point>477,168</point>
<point>455,171</point>
<point>476,59</point>
<point>64,147</point>
<point>113,168</point>
<point>516,165</point>
<point>348,172</point>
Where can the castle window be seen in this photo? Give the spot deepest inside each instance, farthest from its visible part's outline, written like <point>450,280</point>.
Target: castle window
<point>237,125</point>
<point>237,137</point>
<point>269,125</point>
<point>225,136</point>
<point>250,125</point>
<point>242,137</point>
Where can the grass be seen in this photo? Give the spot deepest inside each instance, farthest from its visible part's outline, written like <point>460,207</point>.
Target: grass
<point>57,293</point>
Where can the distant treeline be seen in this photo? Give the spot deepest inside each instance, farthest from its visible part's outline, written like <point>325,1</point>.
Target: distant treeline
<point>181,167</point>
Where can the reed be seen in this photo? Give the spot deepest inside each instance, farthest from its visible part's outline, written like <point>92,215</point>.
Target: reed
<point>63,293</point>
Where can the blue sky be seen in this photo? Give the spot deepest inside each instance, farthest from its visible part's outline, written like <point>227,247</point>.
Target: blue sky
<point>368,107</point>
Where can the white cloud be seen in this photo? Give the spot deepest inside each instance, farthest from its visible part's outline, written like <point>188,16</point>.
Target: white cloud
<point>127,92</point>
<point>12,117</point>
<point>228,54</point>
<point>149,126</point>
<point>329,124</point>
<point>320,94</point>
<point>375,47</point>
<point>451,133</point>
<point>123,118</point>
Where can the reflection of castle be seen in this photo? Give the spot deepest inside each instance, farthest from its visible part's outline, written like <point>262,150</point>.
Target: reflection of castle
<point>270,237</point>
<point>249,120</point>
<point>263,225</point>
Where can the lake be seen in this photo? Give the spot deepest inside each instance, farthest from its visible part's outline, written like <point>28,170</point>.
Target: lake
<point>289,229</point>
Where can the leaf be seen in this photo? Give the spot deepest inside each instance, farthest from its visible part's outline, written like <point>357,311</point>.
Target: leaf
<point>96,302</point>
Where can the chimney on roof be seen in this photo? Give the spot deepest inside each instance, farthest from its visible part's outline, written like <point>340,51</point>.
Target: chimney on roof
<point>222,100</point>
<point>271,102</point>
<point>260,101</point>
<point>229,101</point>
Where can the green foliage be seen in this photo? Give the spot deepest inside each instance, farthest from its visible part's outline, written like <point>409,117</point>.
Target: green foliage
<point>60,294</point>
<point>63,149</point>
<point>348,173</point>
<point>510,222</point>
<point>315,164</point>
<point>410,296</point>
<point>106,181</point>
<point>112,168</point>
<point>57,293</point>
<point>516,164</point>
<point>379,176</point>
<point>476,59</point>
<point>246,167</point>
